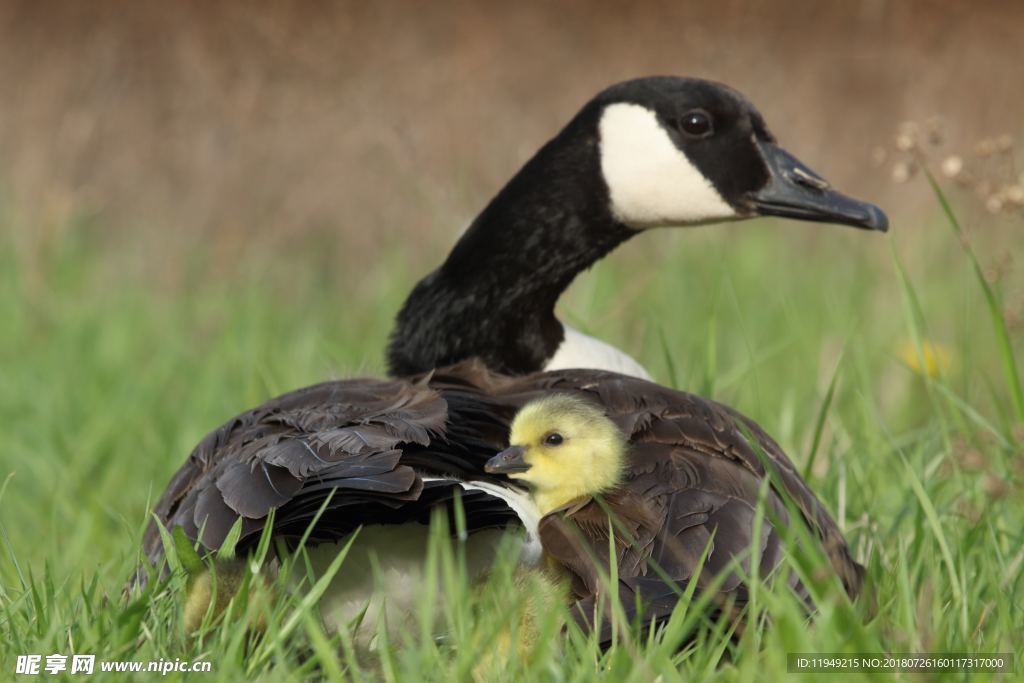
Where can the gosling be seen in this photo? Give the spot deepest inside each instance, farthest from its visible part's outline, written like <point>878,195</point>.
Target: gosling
<point>565,448</point>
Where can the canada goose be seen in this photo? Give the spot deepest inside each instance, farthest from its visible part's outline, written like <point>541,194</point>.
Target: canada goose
<point>389,452</point>
<point>659,151</point>
<point>645,153</point>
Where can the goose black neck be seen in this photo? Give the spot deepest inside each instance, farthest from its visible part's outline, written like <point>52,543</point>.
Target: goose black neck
<point>494,297</point>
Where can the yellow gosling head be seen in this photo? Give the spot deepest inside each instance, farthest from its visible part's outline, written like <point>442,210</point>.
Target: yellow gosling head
<point>565,448</point>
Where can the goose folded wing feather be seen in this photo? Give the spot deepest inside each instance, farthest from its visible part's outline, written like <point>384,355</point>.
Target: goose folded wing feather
<point>337,435</point>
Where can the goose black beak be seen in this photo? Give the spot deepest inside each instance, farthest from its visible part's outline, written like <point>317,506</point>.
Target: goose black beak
<point>795,191</point>
<point>508,461</point>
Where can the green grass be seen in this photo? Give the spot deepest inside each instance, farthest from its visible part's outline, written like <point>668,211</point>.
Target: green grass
<point>115,360</point>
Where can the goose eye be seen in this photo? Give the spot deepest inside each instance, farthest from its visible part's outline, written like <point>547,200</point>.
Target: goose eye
<point>696,124</point>
<point>553,439</point>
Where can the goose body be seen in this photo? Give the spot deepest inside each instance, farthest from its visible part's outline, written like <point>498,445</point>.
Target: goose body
<point>392,451</point>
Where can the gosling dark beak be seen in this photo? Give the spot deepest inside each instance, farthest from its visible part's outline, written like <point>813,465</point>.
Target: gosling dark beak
<point>509,460</point>
<point>795,191</point>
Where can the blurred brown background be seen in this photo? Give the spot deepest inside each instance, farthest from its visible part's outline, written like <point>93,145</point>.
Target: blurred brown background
<point>217,121</point>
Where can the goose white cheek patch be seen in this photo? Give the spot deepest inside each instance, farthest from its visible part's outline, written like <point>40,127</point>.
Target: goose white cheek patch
<point>651,182</point>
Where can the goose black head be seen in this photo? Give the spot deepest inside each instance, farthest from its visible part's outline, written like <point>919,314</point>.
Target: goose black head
<point>680,151</point>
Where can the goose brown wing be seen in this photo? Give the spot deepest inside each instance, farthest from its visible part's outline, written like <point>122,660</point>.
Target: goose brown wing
<point>291,451</point>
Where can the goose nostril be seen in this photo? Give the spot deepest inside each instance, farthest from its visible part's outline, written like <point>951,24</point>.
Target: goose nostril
<point>802,177</point>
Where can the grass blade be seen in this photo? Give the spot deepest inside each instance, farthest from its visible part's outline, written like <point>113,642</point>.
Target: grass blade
<point>819,423</point>
<point>1006,356</point>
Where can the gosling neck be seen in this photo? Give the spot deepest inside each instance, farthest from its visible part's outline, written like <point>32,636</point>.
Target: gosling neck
<point>550,498</point>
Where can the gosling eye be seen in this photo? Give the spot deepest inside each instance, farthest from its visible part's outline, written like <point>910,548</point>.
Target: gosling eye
<point>553,439</point>
<point>696,123</point>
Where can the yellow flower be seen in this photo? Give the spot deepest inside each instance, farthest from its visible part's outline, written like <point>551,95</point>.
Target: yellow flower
<point>932,359</point>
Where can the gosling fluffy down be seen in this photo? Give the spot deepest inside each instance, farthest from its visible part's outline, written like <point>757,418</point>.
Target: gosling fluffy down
<point>565,448</point>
